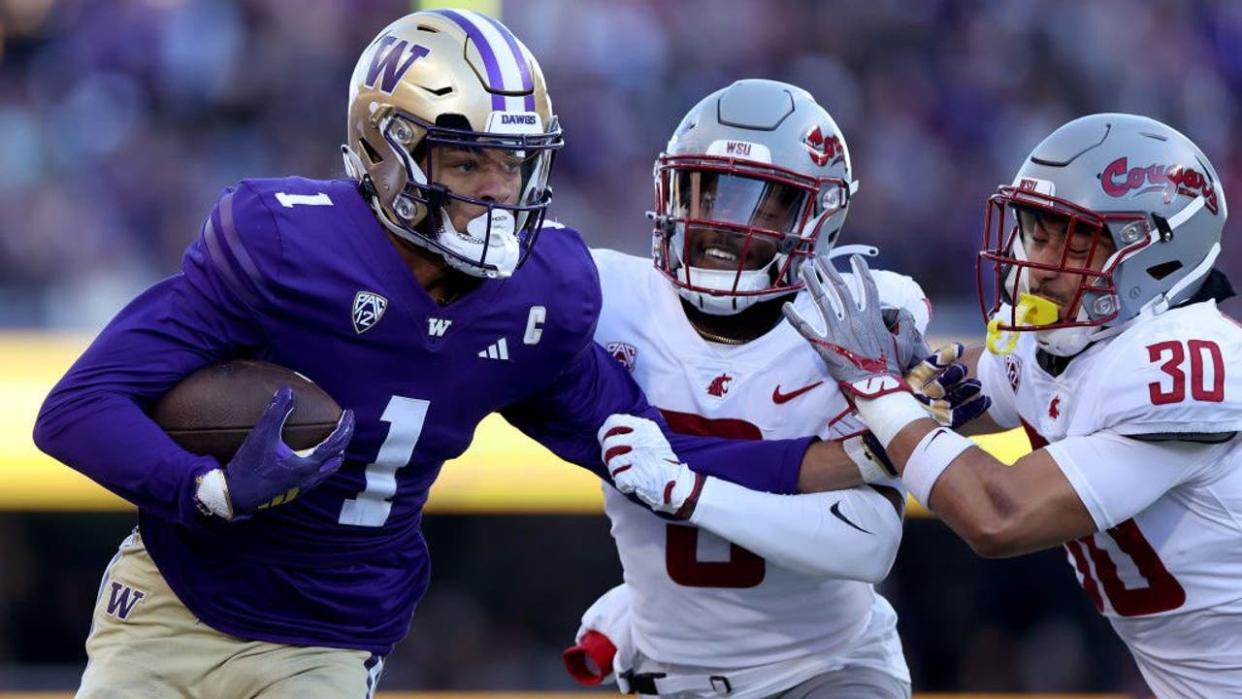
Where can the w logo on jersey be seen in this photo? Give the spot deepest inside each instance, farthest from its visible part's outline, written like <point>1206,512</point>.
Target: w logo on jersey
<point>390,59</point>
<point>122,599</point>
<point>369,307</point>
<point>436,327</point>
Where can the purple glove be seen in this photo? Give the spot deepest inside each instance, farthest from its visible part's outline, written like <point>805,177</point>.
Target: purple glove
<point>265,472</point>
<point>939,382</point>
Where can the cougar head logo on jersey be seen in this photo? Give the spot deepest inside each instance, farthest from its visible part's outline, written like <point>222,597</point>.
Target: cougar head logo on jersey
<point>719,386</point>
<point>739,204</point>
<point>1111,217</point>
<point>434,90</point>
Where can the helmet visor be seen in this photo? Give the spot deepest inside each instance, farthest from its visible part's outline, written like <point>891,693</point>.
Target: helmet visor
<point>736,201</point>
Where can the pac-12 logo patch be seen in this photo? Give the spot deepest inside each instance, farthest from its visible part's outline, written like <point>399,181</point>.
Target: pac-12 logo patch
<point>623,352</point>
<point>369,307</point>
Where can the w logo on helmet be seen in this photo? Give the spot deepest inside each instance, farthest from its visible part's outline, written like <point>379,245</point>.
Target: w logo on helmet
<point>387,58</point>
<point>823,150</point>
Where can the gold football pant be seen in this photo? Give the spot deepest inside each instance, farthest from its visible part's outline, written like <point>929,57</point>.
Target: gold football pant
<point>145,643</point>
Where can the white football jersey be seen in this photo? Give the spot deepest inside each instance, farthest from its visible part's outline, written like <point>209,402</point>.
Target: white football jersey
<point>698,599</point>
<point>1166,566</point>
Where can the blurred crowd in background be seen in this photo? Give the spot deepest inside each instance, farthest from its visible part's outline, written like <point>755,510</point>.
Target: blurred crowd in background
<point>121,120</point>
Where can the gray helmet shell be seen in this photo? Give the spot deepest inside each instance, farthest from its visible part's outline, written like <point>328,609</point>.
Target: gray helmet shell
<point>1159,200</point>
<point>762,129</point>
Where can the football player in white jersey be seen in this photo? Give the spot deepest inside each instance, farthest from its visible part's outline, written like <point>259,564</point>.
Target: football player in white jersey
<point>1106,344</point>
<point>740,592</point>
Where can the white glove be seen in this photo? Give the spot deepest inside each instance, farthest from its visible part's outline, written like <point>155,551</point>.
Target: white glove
<point>641,462</point>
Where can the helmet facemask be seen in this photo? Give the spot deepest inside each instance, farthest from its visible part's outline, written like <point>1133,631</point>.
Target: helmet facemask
<point>729,234</point>
<point>1049,266</point>
<point>495,241</point>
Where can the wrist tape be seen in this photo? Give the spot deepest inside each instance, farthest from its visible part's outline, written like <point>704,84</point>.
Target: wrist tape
<point>929,459</point>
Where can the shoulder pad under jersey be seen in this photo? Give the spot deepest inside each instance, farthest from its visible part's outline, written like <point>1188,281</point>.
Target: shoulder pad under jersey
<point>1175,373</point>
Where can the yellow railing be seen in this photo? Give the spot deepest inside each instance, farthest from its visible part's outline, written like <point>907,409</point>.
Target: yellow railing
<point>503,472</point>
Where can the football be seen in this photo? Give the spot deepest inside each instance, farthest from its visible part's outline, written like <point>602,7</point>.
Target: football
<point>212,410</point>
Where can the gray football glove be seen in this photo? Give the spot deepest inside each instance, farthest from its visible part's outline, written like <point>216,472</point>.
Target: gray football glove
<point>860,351</point>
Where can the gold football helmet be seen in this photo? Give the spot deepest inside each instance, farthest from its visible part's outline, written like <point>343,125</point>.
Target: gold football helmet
<point>453,82</point>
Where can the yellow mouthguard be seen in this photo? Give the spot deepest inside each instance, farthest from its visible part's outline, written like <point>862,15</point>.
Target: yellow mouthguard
<point>1032,311</point>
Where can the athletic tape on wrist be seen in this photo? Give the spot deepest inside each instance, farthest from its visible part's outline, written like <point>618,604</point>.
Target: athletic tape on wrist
<point>864,457</point>
<point>930,458</point>
<point>212,494</point>
<point>888,414</point>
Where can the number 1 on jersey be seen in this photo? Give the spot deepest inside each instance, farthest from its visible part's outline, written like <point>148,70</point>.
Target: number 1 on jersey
<point>371,507</point>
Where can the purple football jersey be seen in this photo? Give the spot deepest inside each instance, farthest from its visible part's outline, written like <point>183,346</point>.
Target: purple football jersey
<point>299,272</point>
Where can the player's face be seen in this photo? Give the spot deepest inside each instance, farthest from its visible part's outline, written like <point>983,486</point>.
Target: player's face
<point>737,200</point>
<point>713,248</point>
<point>488,174</point>
<point>1048,240</point>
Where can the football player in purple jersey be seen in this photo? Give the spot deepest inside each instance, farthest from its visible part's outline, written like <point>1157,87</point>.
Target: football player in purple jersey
<point>413,292</point>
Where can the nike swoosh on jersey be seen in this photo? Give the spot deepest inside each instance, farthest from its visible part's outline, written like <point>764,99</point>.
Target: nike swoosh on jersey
<point>836,512</point>
<point>778,397</point>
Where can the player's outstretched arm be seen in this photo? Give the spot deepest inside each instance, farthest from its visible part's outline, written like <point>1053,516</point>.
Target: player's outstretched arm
<point>850,534</point>
<point>94,419</point>
<point>566,415</point>
<point>999,510</point>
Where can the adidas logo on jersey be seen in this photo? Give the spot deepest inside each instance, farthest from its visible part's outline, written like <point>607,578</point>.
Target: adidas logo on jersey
<point>497,350</point>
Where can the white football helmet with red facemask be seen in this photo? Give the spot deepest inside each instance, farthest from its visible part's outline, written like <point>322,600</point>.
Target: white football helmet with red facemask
<point>1106,182</point>
<point>756,178</point>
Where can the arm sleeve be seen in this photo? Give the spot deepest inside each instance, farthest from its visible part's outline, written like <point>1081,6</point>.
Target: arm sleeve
<point>1117,477</point>
<point>95,418</point>
<point>852,534</point>
<point>566,415</point>
<point>992,372</point>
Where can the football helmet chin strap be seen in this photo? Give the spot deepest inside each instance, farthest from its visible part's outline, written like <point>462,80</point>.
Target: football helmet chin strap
<point>494,230</point>
<point>1068,342</point>
<point>722,280</point>
<point>488,237</point>
<point>749,280</point>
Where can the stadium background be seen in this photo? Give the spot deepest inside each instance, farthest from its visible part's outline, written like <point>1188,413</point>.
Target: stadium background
<point>120,120</point>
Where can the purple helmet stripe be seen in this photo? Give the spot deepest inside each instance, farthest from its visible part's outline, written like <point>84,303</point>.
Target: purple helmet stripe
<point>494,80</point>
<point>524,67</point>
